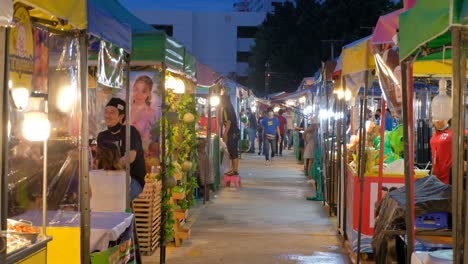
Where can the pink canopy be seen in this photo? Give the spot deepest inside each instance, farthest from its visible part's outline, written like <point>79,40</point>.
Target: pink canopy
<point>408,4</point>
<point>206,76</point>
<point>386,28</point>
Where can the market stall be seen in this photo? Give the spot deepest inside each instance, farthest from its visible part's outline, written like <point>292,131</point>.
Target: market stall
<point>209,152</point>
<point>59,90</point>
<point>442,43</point>
<point>38,126</point>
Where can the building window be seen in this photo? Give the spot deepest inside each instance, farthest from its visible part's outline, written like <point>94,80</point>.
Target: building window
<point>246,32</point>
<point>243,56</point>
<point>169,29</point>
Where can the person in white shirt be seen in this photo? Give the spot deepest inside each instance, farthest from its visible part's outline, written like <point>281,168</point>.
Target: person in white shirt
<point>289,127</point>
<point>108,181</point>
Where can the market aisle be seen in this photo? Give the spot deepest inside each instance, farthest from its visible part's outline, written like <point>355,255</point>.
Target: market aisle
<point>267,221</point>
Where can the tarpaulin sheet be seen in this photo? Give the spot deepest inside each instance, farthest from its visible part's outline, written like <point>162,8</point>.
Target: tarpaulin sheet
<point>103,24</point>
<point>6,12</point>
<point>430,196</point>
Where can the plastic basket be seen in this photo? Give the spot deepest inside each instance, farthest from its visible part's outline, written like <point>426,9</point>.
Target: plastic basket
<point>432,221</point>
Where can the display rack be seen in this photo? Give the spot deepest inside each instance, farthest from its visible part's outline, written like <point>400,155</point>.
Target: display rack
<point>147,211</point>
<point>180,215</point>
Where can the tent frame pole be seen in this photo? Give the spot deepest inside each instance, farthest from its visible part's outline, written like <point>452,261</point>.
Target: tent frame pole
<point>408,138</point>
<point>362,161</point>
<point>458,101</point>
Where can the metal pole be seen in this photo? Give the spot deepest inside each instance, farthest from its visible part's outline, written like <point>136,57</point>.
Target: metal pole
<point>206,196</point>
<point>362,161</point>
<point>4,33</point>
<point>461,132</point>
<point>4,117</point>
<point>339,125</point>
<point>408,135</point>
<point>383,108</point>
<point>84,183</point>
<point>457,147</point>
<point>127,136</point>
<point>164,107</point>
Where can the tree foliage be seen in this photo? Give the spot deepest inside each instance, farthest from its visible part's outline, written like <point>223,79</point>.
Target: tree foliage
<point>295,39</point>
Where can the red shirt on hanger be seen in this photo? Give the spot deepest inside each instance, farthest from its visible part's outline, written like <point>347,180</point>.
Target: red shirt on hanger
<point>441,148</point>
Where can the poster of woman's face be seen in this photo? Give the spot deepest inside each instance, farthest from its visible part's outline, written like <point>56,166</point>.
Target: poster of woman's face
<point>145,109</point>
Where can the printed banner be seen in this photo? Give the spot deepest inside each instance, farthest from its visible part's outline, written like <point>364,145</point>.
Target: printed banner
<point>145,109</point>
<point>21,51</point>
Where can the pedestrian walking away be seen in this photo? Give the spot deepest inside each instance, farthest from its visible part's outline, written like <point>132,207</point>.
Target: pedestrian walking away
<point>270,126</point>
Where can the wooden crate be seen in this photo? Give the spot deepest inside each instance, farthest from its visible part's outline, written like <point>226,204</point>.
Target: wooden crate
<point>147,212</point>
<point>180,215</point>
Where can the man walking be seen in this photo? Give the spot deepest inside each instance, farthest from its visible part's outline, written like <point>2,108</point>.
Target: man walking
<point>270,126</point>
<point>282,128</point>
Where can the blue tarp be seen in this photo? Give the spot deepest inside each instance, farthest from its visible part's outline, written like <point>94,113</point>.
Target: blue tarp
<point>104,24</point>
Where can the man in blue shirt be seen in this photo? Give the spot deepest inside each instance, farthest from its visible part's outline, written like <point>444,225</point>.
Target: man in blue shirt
<point>270,126</point>
<point>389,121</point>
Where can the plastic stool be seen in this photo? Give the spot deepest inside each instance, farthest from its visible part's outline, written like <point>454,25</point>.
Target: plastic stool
<point>235,179</point>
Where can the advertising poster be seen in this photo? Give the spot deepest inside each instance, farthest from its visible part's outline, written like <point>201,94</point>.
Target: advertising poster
<point>41,55</point>
<point>21,51</point>
<point>145,109</point>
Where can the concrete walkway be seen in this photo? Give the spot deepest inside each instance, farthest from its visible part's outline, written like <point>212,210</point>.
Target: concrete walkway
<point>267,221</point>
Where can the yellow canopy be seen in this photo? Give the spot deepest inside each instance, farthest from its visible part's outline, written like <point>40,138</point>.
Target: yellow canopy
<point>433,68</point>
<point>72,11</point>
<point>357,57</point>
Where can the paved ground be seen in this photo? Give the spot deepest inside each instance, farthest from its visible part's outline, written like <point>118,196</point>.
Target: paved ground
<point>267,221</point>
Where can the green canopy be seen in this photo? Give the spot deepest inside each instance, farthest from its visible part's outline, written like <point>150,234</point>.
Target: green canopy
<point>149,46</point>
<point>428,24</point>
<point>190,65</point>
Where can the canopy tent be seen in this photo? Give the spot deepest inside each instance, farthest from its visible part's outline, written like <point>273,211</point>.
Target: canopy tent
<point>69,14</point>
<point>357,61</point>
<point>426,27</point>
<point>151,46</point>
<point>206,76</point>
<point>386,28</point>
<point>444,27</point>
<point>294,95</point>
<point>102,18</point>
<point>6,12</point>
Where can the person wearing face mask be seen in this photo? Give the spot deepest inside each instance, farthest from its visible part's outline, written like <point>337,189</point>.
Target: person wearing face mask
<point>271,130</point>
<point>114,117</point>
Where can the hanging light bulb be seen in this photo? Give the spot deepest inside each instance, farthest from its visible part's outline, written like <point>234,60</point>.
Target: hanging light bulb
<point>180,87</point>
<point>441,106</point>
<point>214,100</point>
<point>36,125</point>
